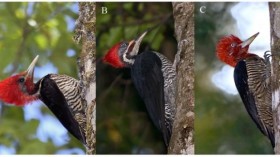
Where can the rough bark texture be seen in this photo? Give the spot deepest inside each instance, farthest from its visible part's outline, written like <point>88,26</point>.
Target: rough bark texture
<point>274,9</point>
<point>182,140</point>
<point>85,32</point>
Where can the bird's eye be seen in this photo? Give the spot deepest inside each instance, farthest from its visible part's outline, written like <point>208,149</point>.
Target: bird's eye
<point>232,44</point>
<point>124,44</point>
<point>21,80</point>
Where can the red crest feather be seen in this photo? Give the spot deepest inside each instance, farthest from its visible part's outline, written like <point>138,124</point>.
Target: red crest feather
<point>230,51</point>
<point>113,58</point>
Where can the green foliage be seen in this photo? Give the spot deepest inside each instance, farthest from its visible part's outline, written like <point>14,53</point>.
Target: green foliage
<point>123,125</point>
<point>27,30</point>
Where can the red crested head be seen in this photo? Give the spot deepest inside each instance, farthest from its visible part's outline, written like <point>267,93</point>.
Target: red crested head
<point>112,57</point>
<point>123,54</point>
<point>19,89</point>
<point>231,49</point>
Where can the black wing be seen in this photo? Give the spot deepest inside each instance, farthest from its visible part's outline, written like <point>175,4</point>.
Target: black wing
<point>54,99</point>
<point>148,80</point>
<point>241,82</point>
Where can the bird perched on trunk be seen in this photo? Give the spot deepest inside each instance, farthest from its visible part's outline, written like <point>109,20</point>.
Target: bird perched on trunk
<point>154,78</point>
<point>252,79</point>
<point>60,93</point>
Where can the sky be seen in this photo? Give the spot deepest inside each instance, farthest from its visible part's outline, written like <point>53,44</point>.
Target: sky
<point>250,19</point>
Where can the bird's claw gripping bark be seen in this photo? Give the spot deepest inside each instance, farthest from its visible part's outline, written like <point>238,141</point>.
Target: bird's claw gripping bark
<point>266,55</point>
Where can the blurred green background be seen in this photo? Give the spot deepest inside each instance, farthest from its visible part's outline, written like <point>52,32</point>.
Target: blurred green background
<point>123,125</point>
<point>222,125</point>
<point>27,30</point>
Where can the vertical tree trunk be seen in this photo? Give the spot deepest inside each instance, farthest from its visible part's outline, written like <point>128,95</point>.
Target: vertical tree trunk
<point>182,140</point>
<point>85,32</point>
<point>274,9</point>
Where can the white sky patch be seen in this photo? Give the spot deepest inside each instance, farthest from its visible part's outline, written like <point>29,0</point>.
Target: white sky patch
<point>33,111</point>
<point>7,150</point>
<point>32,22</point>
<point>70,23</point>
<point>8,68</point>
<point>51,128</point>
<point>70,53</point>
<point>42,71</point>
<point>71,151</point>
<point>75,8</point>
<point>250,19</point>
<point>29,10</point>
<point>222,79</point>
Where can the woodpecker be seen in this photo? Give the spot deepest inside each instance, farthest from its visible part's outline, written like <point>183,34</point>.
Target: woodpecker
<point>60,93</point>
<point>154,78</point>
<point>252,79</point>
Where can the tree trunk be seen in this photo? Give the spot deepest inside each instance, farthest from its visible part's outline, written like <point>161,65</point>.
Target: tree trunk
<point>85,32</point>
<point>182,140</point>
<point>274,9</point>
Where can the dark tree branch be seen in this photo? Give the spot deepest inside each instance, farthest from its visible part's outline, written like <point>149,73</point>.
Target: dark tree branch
<point>182,140</point>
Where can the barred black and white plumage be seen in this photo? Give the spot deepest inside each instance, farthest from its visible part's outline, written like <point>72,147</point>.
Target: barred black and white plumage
<point>169,76</point>
<point>252,79</point>
<point>61,94</point>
